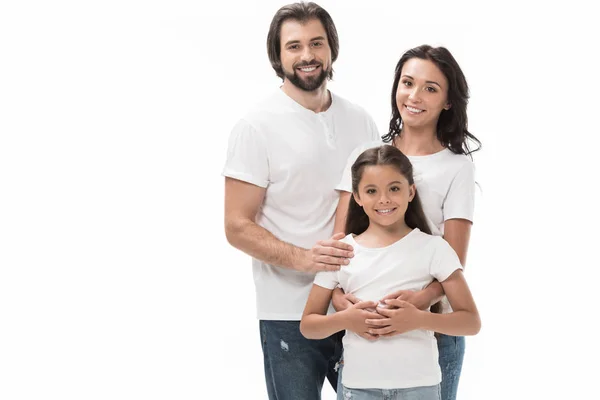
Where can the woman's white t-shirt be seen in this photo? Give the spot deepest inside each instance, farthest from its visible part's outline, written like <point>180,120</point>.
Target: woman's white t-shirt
<point>409,359</point>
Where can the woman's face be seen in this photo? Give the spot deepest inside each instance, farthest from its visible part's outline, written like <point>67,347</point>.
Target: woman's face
<point>422,93</point>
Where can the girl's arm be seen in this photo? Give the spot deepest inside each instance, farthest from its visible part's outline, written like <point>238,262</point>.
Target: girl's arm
<point>315,324</point>
<point>464,320</point>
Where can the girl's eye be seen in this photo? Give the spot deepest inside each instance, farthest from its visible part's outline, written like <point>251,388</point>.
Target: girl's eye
<point>394,188</point>
<point>317,44</point>
<point>293,47</point>
<point>407,83</point>
<point>431,89</point>
<point>370,191</point>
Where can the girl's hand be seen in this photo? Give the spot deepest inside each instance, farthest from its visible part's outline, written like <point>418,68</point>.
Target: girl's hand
<point>356,316</point>
<point>403,319</point>
<point>413,297</point>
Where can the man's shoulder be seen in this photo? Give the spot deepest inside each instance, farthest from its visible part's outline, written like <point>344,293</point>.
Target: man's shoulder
<point>349,106</point>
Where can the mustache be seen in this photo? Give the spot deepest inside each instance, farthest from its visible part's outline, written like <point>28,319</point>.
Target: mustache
<point>302,64</point>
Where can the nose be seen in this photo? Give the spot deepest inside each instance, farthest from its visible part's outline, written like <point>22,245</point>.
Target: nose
<point>307,54</point>
<point>383,199</point>
<point>414,95</point>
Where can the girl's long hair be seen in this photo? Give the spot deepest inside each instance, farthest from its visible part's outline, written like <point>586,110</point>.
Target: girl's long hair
<point>357,220</point>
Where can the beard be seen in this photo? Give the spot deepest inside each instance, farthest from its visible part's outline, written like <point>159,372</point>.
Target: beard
<point>310,83</point>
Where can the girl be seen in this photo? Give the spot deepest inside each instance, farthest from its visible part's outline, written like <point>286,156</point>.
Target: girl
<point>392,251</point>
<point>429,125</point>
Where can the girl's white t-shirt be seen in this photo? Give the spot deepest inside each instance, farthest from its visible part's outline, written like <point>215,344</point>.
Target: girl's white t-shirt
<point>409,359</point>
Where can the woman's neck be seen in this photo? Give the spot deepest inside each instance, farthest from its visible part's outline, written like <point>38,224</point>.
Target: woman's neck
<point>418,142</point>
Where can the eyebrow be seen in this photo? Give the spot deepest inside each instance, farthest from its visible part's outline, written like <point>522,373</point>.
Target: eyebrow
<point>389,184</point>
<point>434,82</point>
<point>311,40</point>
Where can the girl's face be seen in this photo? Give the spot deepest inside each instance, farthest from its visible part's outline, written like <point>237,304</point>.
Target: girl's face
<point>422,93</point>
<point>384,194</point>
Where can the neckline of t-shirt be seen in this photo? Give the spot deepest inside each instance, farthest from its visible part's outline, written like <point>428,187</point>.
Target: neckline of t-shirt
<point>355,244</point>
<point>440,153</point>
<point>301,108</point>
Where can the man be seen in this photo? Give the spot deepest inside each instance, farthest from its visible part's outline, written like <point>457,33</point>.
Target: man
<point>284,160</point>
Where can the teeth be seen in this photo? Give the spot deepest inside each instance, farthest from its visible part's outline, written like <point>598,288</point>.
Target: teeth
<point>309,69</point>
<point>385,211</point>
<point>415,110</point>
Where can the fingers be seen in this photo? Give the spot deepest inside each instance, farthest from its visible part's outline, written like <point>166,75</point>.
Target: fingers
<point>398,303</point>
<point>319,267</point>
<point>331,251</point>
<point>385,312</point>
<point>378,322</point>
<point>334,244</point>
<point>338,236</point>
<point>365,304</point>
<point>381,331</point>
<point>393,295</point>
<point>331,260</point>
<point>368,336</point>
<point>352,298</point>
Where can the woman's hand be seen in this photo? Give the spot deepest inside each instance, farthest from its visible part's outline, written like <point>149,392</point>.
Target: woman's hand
<point>342,301</point>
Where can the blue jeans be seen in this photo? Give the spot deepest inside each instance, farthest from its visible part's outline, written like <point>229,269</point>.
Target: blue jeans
<point>417,393</point>
<point>296,367</point>
<point>451,351</point>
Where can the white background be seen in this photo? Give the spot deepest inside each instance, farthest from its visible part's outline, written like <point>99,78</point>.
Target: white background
<point>116,279</point>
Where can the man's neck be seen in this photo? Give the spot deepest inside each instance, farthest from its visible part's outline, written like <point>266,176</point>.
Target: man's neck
<point>317,100</point>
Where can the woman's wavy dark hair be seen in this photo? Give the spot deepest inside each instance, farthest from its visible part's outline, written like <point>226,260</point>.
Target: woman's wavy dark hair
<point>452,125</point>
<point>357,220</point>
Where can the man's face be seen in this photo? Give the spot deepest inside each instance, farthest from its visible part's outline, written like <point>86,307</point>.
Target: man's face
<point>305,53</point>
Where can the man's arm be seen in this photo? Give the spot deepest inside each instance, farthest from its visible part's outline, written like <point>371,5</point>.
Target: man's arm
<point>242,202</point>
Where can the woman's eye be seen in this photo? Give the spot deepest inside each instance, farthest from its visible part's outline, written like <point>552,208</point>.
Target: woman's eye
<point>370,191</point>
<point>431,89</point>
<point>394,188</point>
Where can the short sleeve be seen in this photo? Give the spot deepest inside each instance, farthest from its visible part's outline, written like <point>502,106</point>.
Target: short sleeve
<point>460,199</point>
<point>444,260</point>
<point>247,156</point>
<point>345,184</point>
<point>327,279</point>
<point>374,131</point>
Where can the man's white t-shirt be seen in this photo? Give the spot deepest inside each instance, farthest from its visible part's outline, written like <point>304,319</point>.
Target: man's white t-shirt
<point>409,359</point>
<point>298,156</point>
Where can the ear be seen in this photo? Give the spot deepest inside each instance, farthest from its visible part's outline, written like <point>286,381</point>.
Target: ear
<point>412,190</point>
<point>447,106</point>
<point>357,199</point>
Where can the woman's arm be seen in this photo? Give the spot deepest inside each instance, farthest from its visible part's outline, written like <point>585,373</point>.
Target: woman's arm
<point>315,324</point>
<point>464,320</point>
<point>457,233</point>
